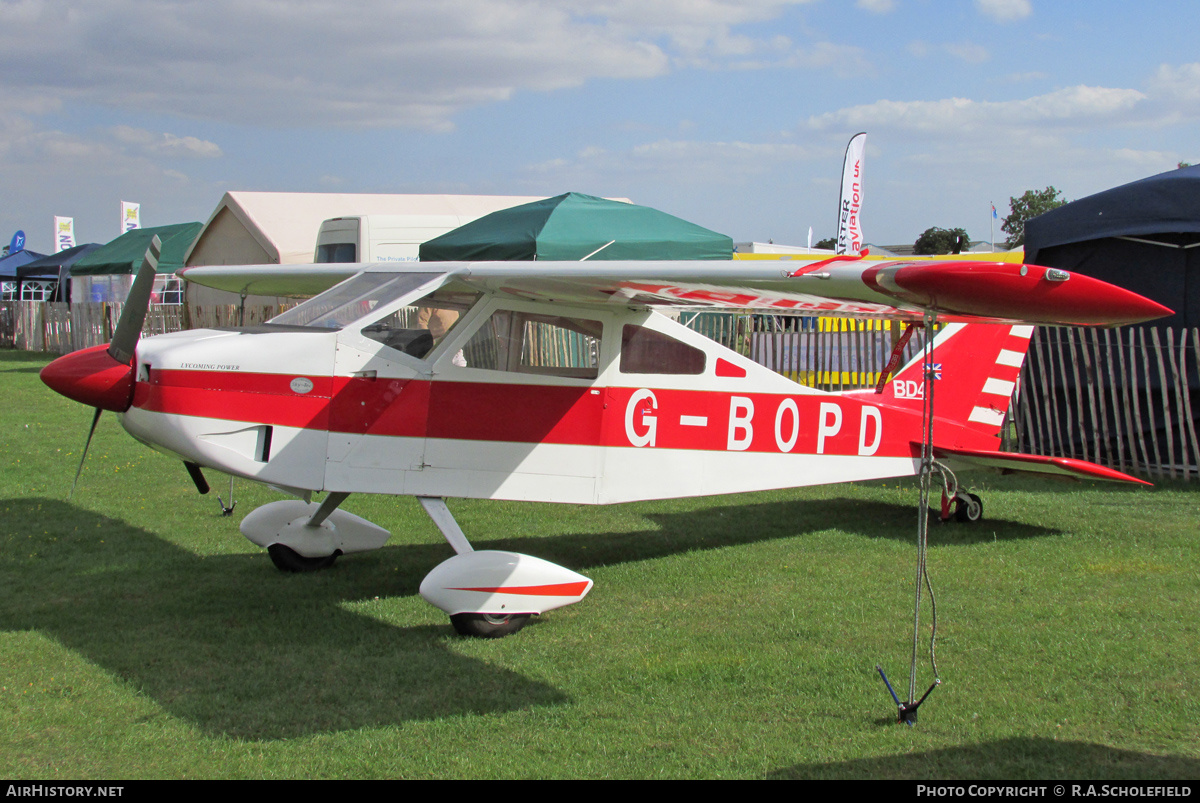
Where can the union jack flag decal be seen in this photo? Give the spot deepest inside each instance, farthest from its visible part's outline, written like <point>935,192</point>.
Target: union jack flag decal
<point>933,370</point>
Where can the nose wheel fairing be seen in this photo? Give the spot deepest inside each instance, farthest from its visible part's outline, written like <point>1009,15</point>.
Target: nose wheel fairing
<point>287,522</point>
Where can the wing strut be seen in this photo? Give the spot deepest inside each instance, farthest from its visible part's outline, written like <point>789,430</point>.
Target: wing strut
<point>330,504</point>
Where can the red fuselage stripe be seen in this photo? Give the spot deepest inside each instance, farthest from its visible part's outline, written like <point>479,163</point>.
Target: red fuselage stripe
<point>552,414</point>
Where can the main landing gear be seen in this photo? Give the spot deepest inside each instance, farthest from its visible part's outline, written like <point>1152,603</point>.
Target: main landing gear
<point>958,504</point>
<point>486,625</point>
<point>962,506</point>
<point>488,594</point>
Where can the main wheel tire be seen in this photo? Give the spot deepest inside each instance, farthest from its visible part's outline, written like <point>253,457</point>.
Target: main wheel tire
<point>969,511</point>
<point>287,559</point>
<point>487,625</point>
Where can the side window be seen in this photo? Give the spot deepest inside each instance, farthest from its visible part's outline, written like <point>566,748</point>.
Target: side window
<point>549,345</point>
<point>646,351</point>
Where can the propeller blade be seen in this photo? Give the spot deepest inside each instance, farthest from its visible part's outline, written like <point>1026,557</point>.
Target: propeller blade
<point>133,315</point>
<point>82,457</point>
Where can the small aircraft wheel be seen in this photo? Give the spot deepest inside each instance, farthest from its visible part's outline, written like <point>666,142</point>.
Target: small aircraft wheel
<point>287,559</point>
<point>488,625</point>
<point>969,511</point>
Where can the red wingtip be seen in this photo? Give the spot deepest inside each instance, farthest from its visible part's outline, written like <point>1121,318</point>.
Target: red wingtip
<point>1024,292</point>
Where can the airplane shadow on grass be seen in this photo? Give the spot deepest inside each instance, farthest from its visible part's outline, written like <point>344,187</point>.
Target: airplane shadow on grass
<point>1008,760</point>
<point>717,526</point>
<point>239,649</point>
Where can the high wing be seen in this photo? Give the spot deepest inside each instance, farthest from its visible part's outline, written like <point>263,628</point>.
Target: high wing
<point>996,292</point>
<point>289,281</point>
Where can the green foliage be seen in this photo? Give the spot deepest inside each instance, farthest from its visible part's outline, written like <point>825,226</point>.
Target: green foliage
<point>829,243</point>
<point>141,636</point>
<point>1029,205</point>
<point>942,241</point>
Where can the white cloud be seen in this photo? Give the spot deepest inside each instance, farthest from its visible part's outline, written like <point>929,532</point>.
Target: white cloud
<point>845,61</point>
<point>84,175</point>
<point>166,144</point>
<point>1004,10</point>
<point>729,186</point>
<point>1075,106</point>
<point>877,6</point>
<point>407,63</point>
<point>969,52</point>
<point>1179,85</point>
<point>686,171</point>
<point>918,48</point>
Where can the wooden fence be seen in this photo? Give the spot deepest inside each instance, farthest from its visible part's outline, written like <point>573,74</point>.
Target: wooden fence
<point>60,328</point>
<point>1124,398</point>
<point>1128,399</point>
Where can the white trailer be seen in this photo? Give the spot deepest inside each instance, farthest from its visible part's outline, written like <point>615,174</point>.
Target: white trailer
<point>397,238</point>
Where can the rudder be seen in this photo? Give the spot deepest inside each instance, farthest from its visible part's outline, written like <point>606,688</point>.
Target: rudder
<point>976,370</point>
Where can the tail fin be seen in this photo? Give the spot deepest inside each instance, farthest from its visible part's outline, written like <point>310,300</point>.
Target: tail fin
<point>976,367</point>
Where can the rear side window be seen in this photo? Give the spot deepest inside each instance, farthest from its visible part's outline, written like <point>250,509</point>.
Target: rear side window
<point>646,351</point>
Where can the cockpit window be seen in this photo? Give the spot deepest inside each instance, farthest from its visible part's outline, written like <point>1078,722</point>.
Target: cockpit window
<point>417,328</point>
<point>352,299</point>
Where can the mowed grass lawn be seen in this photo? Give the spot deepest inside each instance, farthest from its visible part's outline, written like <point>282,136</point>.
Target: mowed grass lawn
<point>141,636</point>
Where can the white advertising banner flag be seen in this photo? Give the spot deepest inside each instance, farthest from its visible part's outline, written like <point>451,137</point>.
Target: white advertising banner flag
<point>131,216</point>
<point>64,233</point>
<point>850,236</point>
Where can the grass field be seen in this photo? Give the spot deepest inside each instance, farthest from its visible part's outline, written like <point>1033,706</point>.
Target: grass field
<point>141,636</point>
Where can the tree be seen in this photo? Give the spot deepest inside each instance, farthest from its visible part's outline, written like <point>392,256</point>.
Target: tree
<point>828,243</point>
<point>1029,205</point>
<point>942,241</point>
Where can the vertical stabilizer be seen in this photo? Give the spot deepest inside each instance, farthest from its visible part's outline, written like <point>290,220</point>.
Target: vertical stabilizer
<point>976,368</point>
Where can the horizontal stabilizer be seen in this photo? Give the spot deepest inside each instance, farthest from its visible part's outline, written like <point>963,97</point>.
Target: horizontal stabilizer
<point>1035,464</point>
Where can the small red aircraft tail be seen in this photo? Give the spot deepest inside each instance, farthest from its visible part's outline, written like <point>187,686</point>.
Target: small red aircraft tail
<point>975,368</point>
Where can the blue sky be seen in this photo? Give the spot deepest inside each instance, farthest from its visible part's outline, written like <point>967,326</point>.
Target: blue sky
<point>731,114</point>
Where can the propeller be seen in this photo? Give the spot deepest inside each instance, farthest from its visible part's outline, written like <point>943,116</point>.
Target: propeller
<point>114,388</point>
<point>137,303</point>
<point>82,457</point>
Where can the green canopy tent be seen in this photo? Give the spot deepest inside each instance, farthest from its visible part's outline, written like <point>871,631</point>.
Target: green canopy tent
<point>107,273</point>
<point>124,254</point>
<point>574,227</point>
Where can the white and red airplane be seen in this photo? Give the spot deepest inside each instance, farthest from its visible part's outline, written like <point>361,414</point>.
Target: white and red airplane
<point>563,382</point>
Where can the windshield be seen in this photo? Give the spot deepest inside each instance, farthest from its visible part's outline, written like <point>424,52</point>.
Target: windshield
<point>352,299</point>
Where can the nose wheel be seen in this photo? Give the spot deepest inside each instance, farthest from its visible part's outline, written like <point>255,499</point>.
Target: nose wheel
<point>287,559</point>
<point>487,625</point>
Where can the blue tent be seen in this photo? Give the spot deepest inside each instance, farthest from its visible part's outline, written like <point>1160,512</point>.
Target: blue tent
<point>56,266</point>
<point>10,263</point>
<point>1143,236</point>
